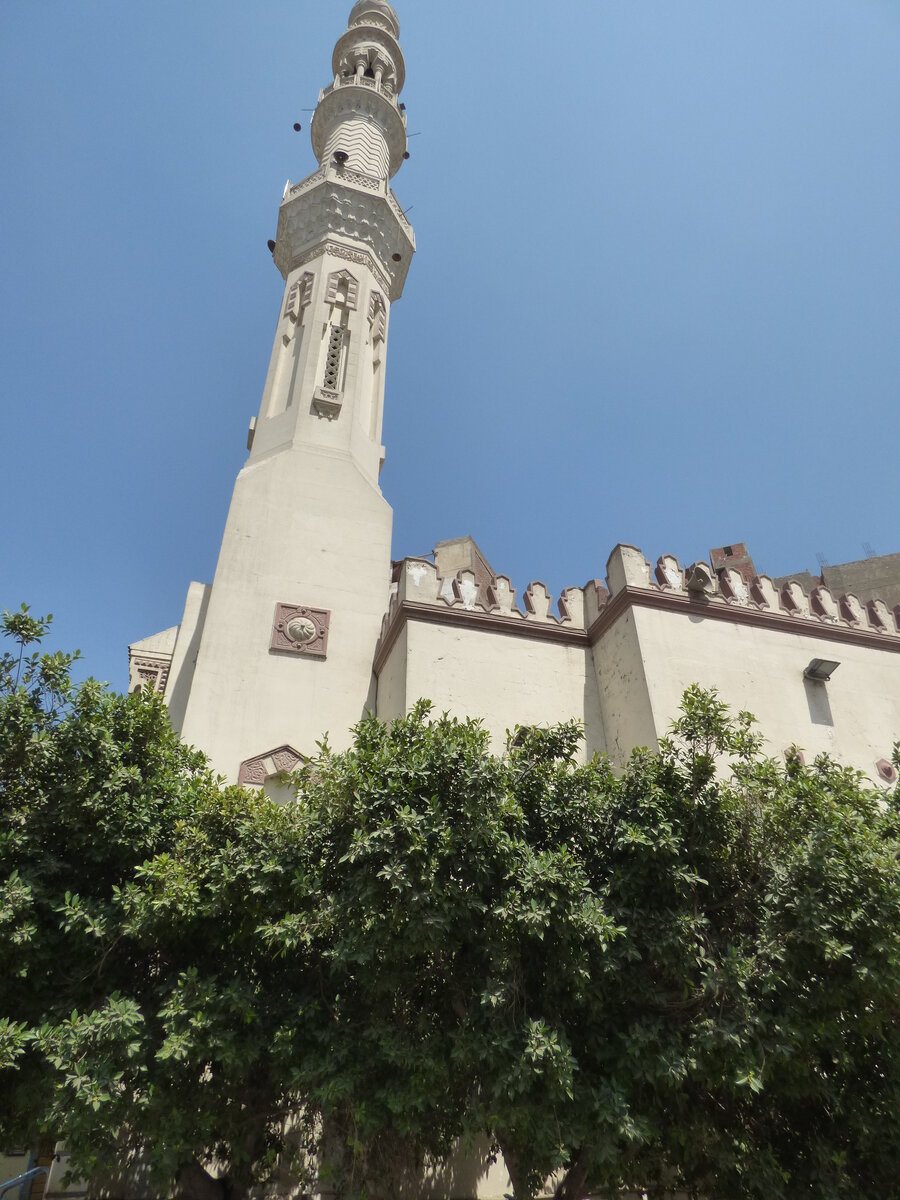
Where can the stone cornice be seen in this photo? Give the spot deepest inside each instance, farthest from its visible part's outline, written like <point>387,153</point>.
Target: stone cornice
<point>341,210</point>
<point>586,614</point>
<point>353,254</point>
<point>485,622</point>
<point>735,614</point>
<point>629,597</point>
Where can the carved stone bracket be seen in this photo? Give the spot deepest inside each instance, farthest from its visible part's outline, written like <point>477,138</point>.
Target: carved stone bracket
<point>327,403</point>
<point>300,630</point>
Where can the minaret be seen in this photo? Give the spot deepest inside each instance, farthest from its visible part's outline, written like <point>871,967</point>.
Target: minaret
<point>278,651</point>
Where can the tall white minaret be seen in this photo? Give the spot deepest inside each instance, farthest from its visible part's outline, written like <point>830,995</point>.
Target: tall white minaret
<point>278,650</point>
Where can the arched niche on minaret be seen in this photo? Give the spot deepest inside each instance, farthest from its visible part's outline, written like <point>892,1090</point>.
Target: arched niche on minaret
<point>342,290</point>
<point>297,299</point>
<point>372,368</point>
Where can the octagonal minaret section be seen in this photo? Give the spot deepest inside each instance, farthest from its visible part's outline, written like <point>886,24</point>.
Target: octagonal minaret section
<point>344,246</point>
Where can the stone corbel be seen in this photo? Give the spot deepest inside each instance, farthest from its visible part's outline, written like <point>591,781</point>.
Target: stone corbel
<point>327,403</point>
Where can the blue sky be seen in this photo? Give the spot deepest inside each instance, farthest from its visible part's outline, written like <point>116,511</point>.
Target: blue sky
<point>656,297</point>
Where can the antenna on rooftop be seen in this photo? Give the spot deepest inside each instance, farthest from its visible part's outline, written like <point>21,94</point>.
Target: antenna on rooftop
<point>822,561</point>
<point>870,550</point>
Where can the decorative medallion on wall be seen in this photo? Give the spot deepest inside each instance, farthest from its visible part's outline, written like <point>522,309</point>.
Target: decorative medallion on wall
<point>886,770</point>
<point>281,761</point>
<point>300,630</point>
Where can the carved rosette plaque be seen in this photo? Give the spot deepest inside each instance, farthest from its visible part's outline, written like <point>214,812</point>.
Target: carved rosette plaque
<point>300,630</point>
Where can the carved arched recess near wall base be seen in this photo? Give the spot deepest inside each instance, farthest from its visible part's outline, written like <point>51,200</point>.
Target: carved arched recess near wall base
<point>281,761</point>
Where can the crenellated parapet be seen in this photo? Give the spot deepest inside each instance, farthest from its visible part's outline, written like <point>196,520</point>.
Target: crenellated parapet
<point>726,595</point>
<point>458,599</point>
<point>584,613</point>
<point>420,583</point>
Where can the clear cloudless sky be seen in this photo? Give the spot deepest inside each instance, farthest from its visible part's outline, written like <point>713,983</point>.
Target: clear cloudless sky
<point>656,297</point>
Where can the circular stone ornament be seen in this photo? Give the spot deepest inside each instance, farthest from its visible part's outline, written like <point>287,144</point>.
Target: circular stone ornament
<point>298,629</point>
<point>301,629</point>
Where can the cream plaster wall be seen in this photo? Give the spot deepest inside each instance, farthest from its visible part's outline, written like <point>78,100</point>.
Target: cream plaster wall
<point>505,680</point>
<point>391,685</point>
<point>12,1165</point>
<point>855,716</point>
<point>628,688</point>
<point>305,527</point>
<point>478,1174</point>
<point>187,646</point>
<point>618,664</point>
<point>158,643</point>
<point>56,1186</point>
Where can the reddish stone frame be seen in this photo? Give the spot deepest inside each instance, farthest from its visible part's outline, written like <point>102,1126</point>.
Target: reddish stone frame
<point>886,770</point>
<point>255,771</point>
<point>282,640</point>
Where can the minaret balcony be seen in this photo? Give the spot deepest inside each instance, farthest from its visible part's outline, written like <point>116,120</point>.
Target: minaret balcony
<point>352,98</point>
<point>337,203</point>
<point>367,42</point>
<point>372,84</point>
<point>346,175</point>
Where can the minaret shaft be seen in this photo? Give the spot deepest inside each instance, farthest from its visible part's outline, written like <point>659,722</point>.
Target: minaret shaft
<point>325,385</point>
<point>279,650</point>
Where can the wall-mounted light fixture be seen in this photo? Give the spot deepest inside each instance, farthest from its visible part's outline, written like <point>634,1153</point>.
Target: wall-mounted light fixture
<point>821,669</point>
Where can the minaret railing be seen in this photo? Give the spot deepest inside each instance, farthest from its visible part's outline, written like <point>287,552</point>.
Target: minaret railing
<point>363,81</point>
<point>348,175</point>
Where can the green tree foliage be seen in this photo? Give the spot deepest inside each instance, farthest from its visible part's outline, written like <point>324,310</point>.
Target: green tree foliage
<point>139,1011</point>
<point>679,976</point>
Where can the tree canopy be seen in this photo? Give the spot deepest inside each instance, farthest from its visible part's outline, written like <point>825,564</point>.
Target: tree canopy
<point>682,975</point>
